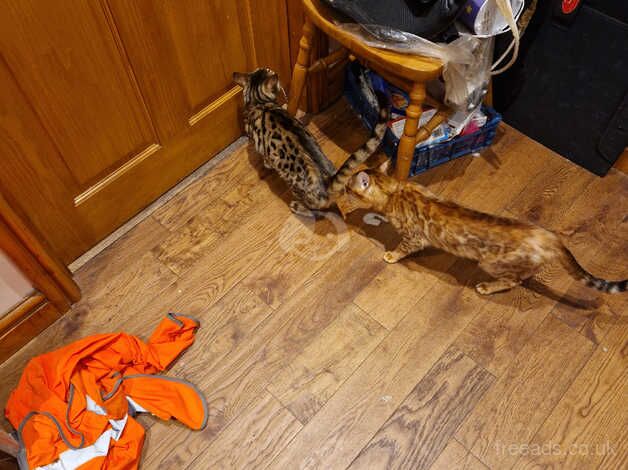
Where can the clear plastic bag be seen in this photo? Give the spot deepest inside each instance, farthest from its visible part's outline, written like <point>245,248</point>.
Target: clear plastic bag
<point>466,83</point>
<point>467,60</point>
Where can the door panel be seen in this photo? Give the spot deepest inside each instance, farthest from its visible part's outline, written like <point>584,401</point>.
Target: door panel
<point>183,57</point>
<point>65,59</point>
<point>122,99</point>
<point>39,188</point>
<point>209,52</point>
<point>271,49</point>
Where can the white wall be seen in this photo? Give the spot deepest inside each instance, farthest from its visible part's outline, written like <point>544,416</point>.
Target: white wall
<point>14,287</point>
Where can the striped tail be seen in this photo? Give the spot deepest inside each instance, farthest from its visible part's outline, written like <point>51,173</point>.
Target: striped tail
<point>578,272</point>
<point>345,172</point>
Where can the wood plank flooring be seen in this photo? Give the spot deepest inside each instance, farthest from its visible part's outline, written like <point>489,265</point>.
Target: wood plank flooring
<point>314,353</point>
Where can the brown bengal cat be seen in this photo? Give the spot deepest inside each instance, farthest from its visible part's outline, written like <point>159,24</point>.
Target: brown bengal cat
<point>509,250</point>
<point>289,149</point>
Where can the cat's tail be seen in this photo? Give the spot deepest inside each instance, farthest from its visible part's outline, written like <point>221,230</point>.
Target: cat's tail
<point>578,272</point>
<point>345,172</point>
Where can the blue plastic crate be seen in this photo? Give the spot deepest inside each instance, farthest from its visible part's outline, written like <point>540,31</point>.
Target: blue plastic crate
<point>426,156</point>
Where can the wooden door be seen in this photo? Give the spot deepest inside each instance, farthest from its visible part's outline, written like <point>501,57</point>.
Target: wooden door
<point>53,289</point>
<point>105,104</point>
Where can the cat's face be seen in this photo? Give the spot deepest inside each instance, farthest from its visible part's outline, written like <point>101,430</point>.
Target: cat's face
<point>259,87</point>
<point>372,187</point>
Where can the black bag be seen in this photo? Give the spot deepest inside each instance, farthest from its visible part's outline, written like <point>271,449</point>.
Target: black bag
<point>425,18</point>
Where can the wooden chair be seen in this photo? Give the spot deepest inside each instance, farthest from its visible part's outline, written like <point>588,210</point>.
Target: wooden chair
<point>407,72</point>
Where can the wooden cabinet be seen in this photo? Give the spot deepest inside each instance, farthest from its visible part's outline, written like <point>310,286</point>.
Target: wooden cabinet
<point>106,104</point>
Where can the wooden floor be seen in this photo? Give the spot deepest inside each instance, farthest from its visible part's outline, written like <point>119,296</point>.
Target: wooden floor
<point>314,353</point>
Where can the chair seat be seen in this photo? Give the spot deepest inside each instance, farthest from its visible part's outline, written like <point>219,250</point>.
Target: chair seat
<point>410,67</point>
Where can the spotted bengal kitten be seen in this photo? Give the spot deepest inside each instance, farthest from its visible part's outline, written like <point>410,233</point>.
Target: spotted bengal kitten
<point>289,149</point>
<point>509,250</point>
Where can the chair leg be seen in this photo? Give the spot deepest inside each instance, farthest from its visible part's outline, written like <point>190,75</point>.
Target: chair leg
<point>300,68</point>
<point>407,143</point>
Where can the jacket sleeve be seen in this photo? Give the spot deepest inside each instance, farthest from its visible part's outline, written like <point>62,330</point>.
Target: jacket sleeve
<point>174,335</point>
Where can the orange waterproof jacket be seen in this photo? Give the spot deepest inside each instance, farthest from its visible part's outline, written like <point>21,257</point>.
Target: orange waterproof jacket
<point>74,407</point>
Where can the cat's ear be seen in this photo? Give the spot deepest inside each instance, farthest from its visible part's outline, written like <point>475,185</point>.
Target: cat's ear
<point>363,180</point>
<point>384,167</point>
<point>241,79</point>
<point>272,83</point>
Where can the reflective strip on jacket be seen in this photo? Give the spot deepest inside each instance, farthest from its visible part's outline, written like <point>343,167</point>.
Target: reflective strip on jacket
<point>74,407</point>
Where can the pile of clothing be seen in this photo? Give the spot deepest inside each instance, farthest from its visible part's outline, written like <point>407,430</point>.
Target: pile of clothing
<point>74,407</point>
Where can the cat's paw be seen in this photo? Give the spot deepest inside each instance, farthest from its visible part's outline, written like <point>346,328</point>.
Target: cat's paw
<point>392,257</point>
<point>299,208</point>
<point>483,288</point>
